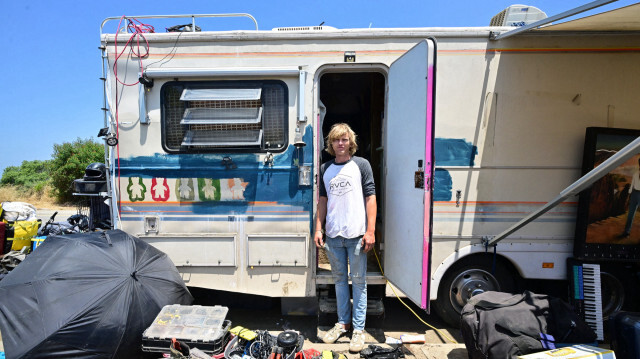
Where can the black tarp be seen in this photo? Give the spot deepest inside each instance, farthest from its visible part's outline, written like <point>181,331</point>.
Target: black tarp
<point>86,296</point>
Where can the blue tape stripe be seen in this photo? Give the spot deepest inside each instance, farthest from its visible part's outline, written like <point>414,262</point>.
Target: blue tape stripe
<point>211,207</point>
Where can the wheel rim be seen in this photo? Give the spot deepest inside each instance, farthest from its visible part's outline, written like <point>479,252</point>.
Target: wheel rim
<point>469,283</point>
<point>612,294</point>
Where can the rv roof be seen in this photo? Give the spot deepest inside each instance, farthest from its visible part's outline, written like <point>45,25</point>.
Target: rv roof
<point>624,19</point>
<point>310,34</point>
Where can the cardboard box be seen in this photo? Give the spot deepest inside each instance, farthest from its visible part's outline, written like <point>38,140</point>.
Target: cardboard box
<point>573,352</point>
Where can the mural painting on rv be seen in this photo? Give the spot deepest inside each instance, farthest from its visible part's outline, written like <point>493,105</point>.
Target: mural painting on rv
<point>194,180</point>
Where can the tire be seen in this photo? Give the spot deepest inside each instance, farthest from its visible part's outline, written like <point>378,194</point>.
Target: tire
<point>470,277</point>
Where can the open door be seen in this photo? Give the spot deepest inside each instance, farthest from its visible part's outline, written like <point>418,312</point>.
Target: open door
<point>408,172</point>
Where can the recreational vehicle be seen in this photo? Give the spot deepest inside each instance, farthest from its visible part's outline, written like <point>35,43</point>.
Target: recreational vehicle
<point>214,140</point>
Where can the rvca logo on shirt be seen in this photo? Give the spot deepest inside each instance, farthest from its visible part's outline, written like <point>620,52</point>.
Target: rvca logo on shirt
<point>340,185</point>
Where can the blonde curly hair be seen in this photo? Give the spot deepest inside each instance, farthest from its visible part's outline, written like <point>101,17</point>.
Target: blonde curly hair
<point>338,130</point>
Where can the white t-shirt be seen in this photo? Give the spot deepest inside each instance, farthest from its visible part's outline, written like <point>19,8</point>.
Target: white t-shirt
<point>346,185</point>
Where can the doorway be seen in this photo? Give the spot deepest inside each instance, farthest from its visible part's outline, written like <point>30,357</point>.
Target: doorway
<point>357,99</point>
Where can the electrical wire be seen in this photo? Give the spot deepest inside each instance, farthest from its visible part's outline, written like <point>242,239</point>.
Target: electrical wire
<point>405,304</point>
<point>169,56</point>
<point>137,29</point>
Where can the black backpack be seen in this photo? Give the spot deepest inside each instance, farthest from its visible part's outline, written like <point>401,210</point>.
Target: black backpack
<point>504,325</point>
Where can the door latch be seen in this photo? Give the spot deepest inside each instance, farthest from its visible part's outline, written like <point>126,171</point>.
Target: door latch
<point>418,177</point>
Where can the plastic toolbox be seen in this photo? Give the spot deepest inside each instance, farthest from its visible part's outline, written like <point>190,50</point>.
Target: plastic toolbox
<point>624,331</point>
<point>202,327</point>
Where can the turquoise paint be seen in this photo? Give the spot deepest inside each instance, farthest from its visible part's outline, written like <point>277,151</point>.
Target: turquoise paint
<point>450,152</point>
<point>454,152</point>
<point>175,164</point>
<point>276,183</point>
<point>442,185</point>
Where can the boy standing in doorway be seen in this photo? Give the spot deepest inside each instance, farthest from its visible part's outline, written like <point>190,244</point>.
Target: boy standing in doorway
<point>347,209</point>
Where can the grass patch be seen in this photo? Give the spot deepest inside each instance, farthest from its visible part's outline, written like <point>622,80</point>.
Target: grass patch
<point>40,197</point>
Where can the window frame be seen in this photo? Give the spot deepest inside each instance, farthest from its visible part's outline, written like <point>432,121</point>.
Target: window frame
<point>207,84</point>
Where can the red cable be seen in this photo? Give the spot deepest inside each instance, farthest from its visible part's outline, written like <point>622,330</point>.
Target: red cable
<point>137,31</point>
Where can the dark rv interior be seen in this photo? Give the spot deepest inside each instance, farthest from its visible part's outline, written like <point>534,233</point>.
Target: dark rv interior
<point>358,99</point>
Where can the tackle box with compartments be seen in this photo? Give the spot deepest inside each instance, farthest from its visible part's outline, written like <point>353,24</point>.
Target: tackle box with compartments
<point>202,327</point>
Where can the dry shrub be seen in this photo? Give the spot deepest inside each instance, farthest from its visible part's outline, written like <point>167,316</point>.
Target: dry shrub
<point>9,194</point>
<point>41,198</point>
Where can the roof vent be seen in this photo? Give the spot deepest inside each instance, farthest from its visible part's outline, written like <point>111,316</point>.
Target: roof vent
<point>517,15</point>
<point>305,28</point>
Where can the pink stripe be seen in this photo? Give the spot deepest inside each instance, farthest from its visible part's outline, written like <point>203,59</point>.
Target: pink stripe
<point>318,151</point>
<point>428,155</point>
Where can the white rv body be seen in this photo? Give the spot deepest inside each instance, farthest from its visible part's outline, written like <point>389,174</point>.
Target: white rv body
<point>510,119</point>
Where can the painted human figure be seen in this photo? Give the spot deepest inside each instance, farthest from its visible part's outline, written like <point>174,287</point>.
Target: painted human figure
<point>634,200</point>
<point>347,209</point>
<point>185,188</point>
<point>136,189</point>
<point>208,189</point>
<point>160,190</point>
<point>237,188</point>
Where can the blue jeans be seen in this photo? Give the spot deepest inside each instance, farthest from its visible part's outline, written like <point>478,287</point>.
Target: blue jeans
<point>339,250</point>
<point>634,201</point>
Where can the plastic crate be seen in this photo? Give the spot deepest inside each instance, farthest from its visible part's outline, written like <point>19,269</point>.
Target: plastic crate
<point>82,186</point>
<point>202,327</point>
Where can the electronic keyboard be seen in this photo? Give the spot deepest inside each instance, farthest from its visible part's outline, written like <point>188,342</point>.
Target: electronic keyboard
<point>586,294</point>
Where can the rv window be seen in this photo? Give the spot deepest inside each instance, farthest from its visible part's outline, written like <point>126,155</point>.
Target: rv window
<point>222,115</point>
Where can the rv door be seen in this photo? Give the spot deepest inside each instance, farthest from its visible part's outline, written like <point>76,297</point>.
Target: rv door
<point>408,171</point>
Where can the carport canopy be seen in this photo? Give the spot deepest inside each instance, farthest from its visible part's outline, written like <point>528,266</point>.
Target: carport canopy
<point>619,20</point>
<point>624,19</point>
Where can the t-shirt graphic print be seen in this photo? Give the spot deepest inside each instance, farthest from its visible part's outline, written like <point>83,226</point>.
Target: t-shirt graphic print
<point>340,185</point>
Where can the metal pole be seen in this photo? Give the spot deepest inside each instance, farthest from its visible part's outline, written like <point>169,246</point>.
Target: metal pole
<point>576,187</point>
<point>178,16</point>
<point>108,154</point>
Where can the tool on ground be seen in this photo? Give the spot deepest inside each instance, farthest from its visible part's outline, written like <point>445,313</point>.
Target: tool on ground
<point>378,352</point>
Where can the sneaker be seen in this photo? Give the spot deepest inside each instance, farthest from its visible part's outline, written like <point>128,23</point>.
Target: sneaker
<point>333,334</point>
<point>357,341</point>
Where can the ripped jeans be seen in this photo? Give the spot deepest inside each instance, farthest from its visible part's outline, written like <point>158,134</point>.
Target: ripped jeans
<point>340,252</point>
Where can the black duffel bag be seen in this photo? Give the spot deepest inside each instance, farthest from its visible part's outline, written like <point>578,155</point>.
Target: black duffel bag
<point>503,325</point>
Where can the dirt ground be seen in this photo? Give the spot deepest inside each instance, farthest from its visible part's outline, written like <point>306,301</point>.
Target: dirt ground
<point>263,313</point>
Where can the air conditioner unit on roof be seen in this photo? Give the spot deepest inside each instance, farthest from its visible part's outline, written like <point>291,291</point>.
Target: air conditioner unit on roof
<point>517,15</point>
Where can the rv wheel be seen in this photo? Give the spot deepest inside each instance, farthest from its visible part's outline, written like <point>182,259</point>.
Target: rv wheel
<point>466,279</point>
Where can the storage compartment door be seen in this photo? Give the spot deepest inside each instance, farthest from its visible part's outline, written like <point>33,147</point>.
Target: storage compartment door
<point>409,129</point>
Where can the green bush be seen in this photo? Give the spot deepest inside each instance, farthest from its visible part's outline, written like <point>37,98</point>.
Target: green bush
<point>69,162</point>
<point>30,175</point>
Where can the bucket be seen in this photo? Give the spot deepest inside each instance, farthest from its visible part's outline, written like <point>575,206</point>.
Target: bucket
<point>18,244</point>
